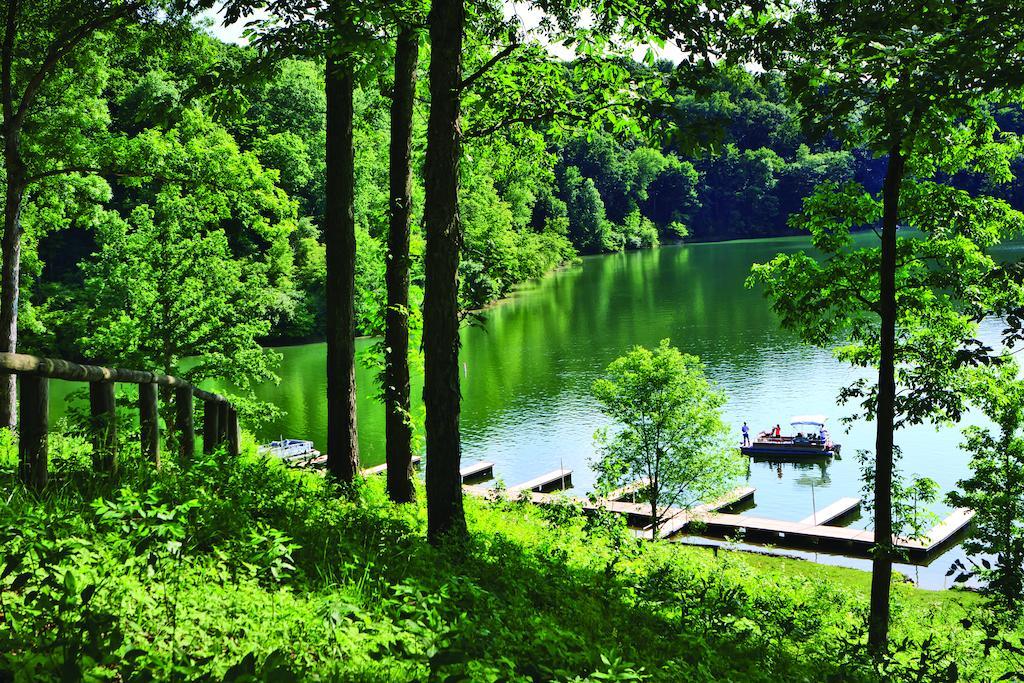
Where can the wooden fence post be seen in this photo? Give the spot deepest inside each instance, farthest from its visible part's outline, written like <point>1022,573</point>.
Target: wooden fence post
<point>103,409</point>
<point>33,426</point>
<point>234,436</point>
<point>183,420</point>
<point>222,422</point>
<point>149,423</point>
<point>211,430</point>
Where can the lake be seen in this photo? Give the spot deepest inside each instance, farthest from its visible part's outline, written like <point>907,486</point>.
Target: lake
<point>527,372</point>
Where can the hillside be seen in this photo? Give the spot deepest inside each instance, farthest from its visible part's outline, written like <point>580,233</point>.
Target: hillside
<point>247,571</point>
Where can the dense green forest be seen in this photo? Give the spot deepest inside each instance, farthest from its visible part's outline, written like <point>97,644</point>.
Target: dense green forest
<point>197,111</point>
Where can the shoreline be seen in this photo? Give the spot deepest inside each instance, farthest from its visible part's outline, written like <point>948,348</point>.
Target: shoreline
<point>301,340</point>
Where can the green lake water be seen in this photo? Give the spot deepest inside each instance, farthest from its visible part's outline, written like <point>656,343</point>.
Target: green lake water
<point>526,376</point>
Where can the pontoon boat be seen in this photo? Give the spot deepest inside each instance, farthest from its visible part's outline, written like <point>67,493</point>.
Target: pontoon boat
<point>291,451</point>
<point>810,438</point>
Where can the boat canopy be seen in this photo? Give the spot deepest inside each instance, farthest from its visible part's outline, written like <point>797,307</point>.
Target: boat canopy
<point>815,420</point>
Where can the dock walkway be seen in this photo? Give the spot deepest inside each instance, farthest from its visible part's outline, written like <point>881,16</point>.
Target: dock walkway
<point>556,479</point>
<point>477,470</point>
<point>380,469</point>
<point>628,491</point>
<point>814,531</point>
<point>831,513</point>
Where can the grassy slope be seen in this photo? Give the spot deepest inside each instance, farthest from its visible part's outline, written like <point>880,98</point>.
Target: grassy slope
<point>855,581</point>
<point>228,568</point>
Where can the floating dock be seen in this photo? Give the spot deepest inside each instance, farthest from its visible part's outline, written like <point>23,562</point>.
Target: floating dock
<point>860,541</point>
<point>556,479</point>
<point>380,469</point>
<point>477,471</point>
<point>950,526</point>
<point>473,471</point>
<point>837,510</point>
<point>682,518</point>
<point>812,532</point>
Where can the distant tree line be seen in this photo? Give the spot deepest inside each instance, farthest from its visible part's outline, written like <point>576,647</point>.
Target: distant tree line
<point>732,164</point>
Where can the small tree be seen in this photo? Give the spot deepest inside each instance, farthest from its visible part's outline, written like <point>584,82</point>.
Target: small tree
<point>672,436</point>
<point>995,489</point>
<point>190,278</point>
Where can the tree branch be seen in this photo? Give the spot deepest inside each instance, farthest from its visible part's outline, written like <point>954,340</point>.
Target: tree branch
<point>549,113</point>
<point>505,123</point>
<point>59,49</point>
<point>67,170</point>
<point>150,175</point>
<point>505,52</point>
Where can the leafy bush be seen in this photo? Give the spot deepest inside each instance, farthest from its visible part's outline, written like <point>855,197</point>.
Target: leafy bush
<point>244,570</point>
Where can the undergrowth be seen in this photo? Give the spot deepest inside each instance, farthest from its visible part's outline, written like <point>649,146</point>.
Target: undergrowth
<point>232,570</point>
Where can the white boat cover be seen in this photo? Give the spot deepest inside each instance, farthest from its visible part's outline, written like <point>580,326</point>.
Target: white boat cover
<point>816,420</point>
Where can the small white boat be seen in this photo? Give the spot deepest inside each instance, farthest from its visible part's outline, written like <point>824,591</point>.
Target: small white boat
<point>814,442</point>
<point>290,451</point>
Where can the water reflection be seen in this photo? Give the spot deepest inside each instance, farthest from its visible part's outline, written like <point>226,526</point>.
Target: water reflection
<point>806,471</point>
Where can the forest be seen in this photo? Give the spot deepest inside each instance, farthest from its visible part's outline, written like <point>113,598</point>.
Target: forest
<point>376,178</point>
<point>186,108</point>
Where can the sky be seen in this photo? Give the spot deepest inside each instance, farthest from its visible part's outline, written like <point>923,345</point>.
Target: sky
<point>528,15</point>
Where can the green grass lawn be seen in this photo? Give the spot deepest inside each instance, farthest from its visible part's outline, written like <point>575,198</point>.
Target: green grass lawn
<point>856,581</point>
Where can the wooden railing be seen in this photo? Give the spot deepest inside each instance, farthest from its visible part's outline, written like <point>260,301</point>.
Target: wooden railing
<point>220,418</point>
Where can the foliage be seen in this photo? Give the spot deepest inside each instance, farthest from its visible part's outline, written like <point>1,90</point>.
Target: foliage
<point>910,517</point>
<point>189,281</point>
<point>670,434</point>
<point>523,177</point>
<point>995,489</point>
<point>173,574</point>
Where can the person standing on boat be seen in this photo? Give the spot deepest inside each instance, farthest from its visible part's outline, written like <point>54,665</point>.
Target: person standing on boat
<point>777,432</point>
<point>746,434</point>
<point>823,434</point>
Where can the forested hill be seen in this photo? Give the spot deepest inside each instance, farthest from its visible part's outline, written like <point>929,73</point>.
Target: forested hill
<point>233,206</point>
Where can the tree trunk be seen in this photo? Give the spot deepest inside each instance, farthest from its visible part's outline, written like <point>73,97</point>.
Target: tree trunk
<point>34,430</point>
<point>10,270</point>
<point>183,425</point>
<point>397,428</point>
<point>655,521</point>
<point>149,423</point>
<point>340,239</point>
<point>103,410</point>
<point>445,515</point>
<point>885,414</point>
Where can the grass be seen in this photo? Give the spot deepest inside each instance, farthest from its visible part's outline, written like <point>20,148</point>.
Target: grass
<point>855,581</point>
<point>243,570</point>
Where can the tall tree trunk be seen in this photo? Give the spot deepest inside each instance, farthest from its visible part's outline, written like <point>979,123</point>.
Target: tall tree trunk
<point>397,428</point>
<point>340,239</point>
<point>10,271</point>
<point>885,414</point>
<point>655,520</point>
<point>445,515</point>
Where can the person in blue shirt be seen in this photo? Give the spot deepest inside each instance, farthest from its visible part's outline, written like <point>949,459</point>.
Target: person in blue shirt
<point>746,434</point>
